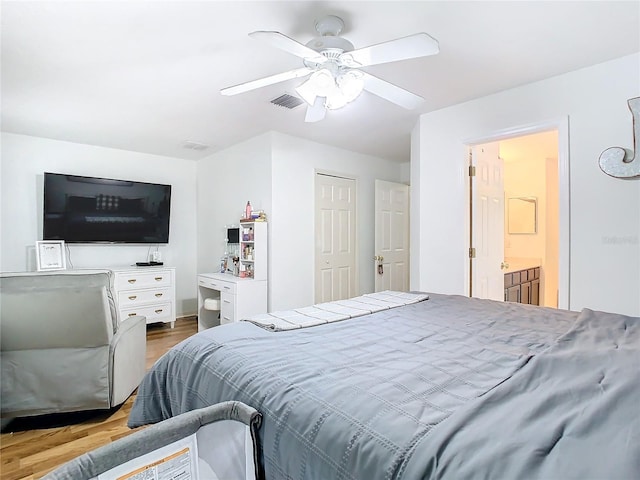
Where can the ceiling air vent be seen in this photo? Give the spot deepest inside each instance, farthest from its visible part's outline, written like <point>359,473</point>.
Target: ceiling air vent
<point>287,101</point>
<point>195,145</point>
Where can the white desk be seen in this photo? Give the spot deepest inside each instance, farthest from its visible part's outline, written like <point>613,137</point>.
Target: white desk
<point>239,298</point>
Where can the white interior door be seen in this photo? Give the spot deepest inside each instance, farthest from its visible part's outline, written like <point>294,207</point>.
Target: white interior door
<point>487,222</point>
<point>391,236</point>
<point>335,259</point>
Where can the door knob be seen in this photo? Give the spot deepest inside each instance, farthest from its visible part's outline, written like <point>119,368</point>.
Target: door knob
<point>504,266</point>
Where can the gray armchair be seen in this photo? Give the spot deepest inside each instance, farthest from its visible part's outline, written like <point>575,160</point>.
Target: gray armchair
<point>62,346</point>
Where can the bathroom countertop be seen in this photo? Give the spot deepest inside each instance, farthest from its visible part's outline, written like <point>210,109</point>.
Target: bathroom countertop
<point>517,264</point>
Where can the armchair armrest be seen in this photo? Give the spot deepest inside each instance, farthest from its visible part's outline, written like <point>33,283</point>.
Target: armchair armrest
<point>128,352</point>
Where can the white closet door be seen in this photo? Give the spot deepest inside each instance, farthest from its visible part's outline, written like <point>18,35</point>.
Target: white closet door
<point>335,258</point>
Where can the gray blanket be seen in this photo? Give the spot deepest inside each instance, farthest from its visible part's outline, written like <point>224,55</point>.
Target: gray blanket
<point>451,387</point>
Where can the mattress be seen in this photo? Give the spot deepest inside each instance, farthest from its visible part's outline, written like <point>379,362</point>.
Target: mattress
<point>448,387</point>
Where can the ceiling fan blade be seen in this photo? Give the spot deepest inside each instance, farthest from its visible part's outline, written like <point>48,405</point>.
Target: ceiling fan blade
<point>413,46</point>
<point>278,40</point>
<point>263,82</point>
<point>391,92</point>
<point>316,112</point>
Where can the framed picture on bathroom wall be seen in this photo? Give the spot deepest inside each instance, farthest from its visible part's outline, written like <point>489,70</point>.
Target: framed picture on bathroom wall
<point>522,215</point>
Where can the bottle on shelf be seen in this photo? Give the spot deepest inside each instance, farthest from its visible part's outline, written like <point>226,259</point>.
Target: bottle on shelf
<point>247,210</point>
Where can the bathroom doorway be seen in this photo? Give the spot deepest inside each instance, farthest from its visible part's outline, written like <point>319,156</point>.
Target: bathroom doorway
<point>531,214</point>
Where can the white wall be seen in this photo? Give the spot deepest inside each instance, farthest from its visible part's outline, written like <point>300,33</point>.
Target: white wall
<point>295,162</point>
<point>24,160</point>
<point>604,211</point>
<point>226,181</point>
<point>276,173</point>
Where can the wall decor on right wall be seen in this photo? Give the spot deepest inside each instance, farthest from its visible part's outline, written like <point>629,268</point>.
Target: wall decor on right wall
<point>614,161</point>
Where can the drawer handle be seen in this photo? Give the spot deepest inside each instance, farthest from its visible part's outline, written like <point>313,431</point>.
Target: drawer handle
<point>132,280</point>
<point>159,310</point>
<point>226,301</point>
<point>227,288</point>
<point>133,297</point>
<point>132,314</point>
<point>158,295</point>
<point>227,319</point>
<point>158,279</point>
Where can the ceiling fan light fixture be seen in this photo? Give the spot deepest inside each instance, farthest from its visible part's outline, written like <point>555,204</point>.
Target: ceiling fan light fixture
<point>319,84</point>
<point>338,91</point>
<point>351,84</point>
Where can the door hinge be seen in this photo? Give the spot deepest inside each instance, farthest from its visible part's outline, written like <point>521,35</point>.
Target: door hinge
<point>472,252</point>
<point>472,171</point>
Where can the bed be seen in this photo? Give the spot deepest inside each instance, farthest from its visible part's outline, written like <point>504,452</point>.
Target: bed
<point>448,387</point>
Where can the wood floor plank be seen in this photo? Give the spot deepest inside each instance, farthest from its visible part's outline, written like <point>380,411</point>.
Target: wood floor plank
<point>32,447</point>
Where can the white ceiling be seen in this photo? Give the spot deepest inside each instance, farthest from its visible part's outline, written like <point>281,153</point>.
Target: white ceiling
<point>145,76</point>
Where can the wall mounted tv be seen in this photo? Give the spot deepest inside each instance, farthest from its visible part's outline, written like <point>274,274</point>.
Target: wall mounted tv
<point>103,210</point>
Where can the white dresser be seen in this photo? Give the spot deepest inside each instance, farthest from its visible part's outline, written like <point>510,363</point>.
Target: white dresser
<point>238,298</point>
<point>148,291</point>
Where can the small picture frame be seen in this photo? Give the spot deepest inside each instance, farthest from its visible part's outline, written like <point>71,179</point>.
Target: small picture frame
<point>50,255</point>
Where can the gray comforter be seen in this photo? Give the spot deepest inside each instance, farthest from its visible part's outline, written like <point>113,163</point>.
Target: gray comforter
<point>447,388</point>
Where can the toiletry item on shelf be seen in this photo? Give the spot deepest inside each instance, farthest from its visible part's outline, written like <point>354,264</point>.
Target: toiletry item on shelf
<point>247,210</point>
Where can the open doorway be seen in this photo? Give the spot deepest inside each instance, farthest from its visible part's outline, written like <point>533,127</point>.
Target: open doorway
<point>531,210</point>
<point>529,231</point>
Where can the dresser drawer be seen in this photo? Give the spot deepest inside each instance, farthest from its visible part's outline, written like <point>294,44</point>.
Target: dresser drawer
<point>227,308</point>
<point>135,280</point>
<point>132,298</point>
<point>228,287</point>
<point>216,284</point>
<point>508,280</point>
<point>209,283</point>
<point>155,313</point>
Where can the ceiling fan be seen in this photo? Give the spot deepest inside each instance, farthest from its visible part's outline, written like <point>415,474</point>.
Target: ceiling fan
<point>333,67</point>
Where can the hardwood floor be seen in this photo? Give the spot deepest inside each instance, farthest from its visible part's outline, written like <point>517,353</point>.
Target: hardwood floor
<point>30,447</point>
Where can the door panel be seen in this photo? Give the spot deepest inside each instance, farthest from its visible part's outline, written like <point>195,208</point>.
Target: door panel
<point>335,238</point>
<point>488,222</point>
<point>391,236</point>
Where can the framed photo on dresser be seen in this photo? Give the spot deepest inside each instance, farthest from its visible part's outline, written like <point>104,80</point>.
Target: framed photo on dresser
<point>50,255</point>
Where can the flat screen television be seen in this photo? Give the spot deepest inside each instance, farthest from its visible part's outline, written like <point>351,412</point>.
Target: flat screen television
<point>103,210</point>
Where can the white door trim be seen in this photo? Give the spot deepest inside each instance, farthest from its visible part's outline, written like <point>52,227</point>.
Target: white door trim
<point>560,124</point>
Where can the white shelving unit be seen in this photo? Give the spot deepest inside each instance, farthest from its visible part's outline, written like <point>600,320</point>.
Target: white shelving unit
<point>253,250</point>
